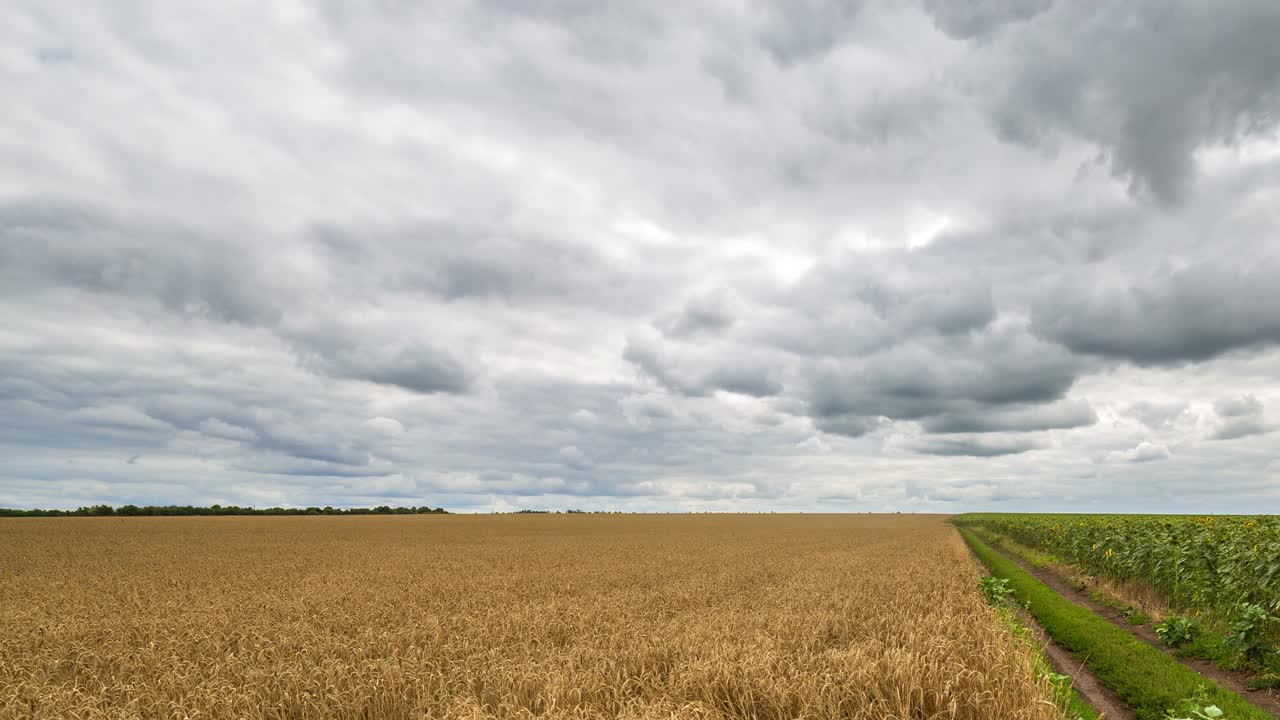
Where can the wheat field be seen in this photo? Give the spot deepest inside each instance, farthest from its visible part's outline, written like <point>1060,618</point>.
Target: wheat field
<point>552,616</point>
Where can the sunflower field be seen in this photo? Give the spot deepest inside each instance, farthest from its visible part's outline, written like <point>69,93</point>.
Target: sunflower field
<point>1198,561</point>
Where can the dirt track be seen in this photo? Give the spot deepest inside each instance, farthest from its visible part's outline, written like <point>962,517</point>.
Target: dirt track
<point>1233,681</point>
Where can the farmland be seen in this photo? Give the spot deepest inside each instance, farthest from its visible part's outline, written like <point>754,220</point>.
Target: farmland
<point>695,616</point>
<point>1197,562</point>
<point>1208,587</point>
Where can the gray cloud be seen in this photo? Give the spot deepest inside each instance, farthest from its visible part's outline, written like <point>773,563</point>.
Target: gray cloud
<point>698,373</point>
<point>51,244</point>
<point>1191,314</point>
<point>706,256</point>
<point>1243,406</point>
<point>909,114</point>
<point>1158,81</point>
<point>973,446</point>
<point>1061,415</point>
<point>1156,415</point>
<point>413,365</point>
<point>850,424</point>
<point>482,261</point>
<point>1240,417</point>
<point>1143,452</point>
<point>309,467</point>
<point>708,313</point>
<point>983,373</point>
<point>975,19</point>
<point>849,306</point>
<point>803,30</point>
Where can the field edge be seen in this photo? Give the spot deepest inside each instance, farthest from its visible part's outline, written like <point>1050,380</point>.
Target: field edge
<point>1149,681</point>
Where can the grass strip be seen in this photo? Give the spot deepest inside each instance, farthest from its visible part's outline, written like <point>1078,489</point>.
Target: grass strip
<point>1210,644</point>
<point>1149,681</point>
<point>1078,709</point>
<point>1074,706</point>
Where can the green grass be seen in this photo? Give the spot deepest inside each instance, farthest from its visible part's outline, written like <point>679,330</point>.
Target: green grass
<point>1078,709</point>
<point>1073,706</point>
<point>1046,561</point>
<point>1149,681</point>
<point>1210,645</point>
<point>1037,558</point>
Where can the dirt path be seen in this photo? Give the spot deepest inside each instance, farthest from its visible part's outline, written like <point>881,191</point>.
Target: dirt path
<point>1232,681</point>
<point>1086,684</point>
<point>1099,696</point>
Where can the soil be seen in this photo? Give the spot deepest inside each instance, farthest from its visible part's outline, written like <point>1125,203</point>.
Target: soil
<point>1099,696</point>
<point>1233,681</point>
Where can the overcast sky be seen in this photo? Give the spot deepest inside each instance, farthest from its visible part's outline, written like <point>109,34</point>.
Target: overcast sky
<point>911,255</point>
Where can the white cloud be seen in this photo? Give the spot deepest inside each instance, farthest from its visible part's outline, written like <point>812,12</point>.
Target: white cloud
<point>385,425</point>
<point>655,256</point>
<point>814,444</point>
<point>1143,452</point>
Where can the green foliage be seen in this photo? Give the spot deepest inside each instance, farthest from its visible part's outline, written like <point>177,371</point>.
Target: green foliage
<point>1148,680</point>
<point>1265,680</point>
<point>1249,629</point>
<point>996,590</point>
<point>1197,707</point>
<point>1198,561</point>
<point>1136,616</point>
<point>1064,693</point>
<point>1177,630</point>
<point>1066,697</point>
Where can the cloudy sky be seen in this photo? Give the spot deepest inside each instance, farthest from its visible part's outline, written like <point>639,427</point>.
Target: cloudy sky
<point>911,255</point>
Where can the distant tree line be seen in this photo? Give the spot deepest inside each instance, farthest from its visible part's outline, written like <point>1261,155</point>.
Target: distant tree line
<point>566,512</point>
<point>138,511</point>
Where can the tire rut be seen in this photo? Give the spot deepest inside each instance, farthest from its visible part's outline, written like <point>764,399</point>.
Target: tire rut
<point>1233,681</point>
<point>1099,696</point>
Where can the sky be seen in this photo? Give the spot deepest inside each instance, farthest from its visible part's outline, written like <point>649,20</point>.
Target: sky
<point>720,255</point>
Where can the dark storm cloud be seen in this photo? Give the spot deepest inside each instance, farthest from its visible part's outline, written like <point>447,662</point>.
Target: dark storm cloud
<point>1186,315</point>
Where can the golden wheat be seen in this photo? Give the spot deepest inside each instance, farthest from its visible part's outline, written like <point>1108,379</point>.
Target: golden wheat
<point>696,616</point>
